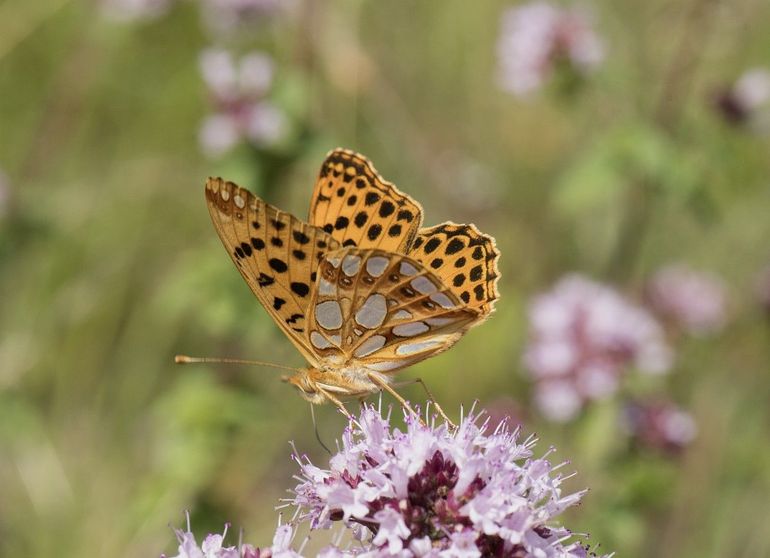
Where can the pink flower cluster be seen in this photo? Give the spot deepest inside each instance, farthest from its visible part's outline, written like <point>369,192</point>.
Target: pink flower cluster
<point>238,89</point>
<point>693,300</point>
<point>430,491</point>
<point>584,337</point>
<point>538,36</point>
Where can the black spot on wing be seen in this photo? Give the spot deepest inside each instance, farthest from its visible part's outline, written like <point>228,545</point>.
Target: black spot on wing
<point>395,230</point>
<point>386,209</point>
<point>431,245</point>
<point>374,231</point>
<point>299,288</point>
<point>454,246</point>
<point>265,280</point>
<point>278,265</point>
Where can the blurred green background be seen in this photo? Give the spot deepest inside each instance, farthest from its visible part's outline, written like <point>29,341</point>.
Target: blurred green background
<point>109,265</point>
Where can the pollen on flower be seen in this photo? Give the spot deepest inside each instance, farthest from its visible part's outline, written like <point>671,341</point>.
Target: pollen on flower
<point>584,337</point>
<point>431,491</point>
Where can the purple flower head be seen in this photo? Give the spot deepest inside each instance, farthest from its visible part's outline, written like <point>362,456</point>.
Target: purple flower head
<point>692,300</point>
<point>238,90</point>
<point>747,101</point>
<point>659,425</point>
<point>584,337</point>
<point>431,491</point>
<point>536,37</point>
<point>128,11</point>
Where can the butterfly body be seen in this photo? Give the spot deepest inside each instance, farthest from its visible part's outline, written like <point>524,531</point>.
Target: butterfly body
<point>360,289</point>
<point>350,381</point>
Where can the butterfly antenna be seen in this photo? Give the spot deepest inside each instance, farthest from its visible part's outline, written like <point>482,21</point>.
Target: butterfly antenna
<point>315,429</point>
<point>184,359</point>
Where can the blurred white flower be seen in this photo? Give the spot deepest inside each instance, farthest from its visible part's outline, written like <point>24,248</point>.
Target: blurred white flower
<point>584,337</point>
<point>537,36</point>
<point>241,112</point>
<point>747,101</point>
<point>127,11</point>
<point>659,425</point>
<point>694,300</point>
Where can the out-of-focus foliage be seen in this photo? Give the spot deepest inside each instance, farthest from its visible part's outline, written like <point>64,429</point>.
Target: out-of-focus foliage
<point>109,265</point>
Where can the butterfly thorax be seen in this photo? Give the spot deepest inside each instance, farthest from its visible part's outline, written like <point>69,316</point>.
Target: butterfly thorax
<point>347,381</point>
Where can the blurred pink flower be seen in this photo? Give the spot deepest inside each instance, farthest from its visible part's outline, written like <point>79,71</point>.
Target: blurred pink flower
<point>127,11</point>
<point>747,101</point>
<point>238,90</point>
<point>659,425</point>
<point>505,408</point>
<point>694,300</point>
<point>584,337</point>
<point>535,37</point>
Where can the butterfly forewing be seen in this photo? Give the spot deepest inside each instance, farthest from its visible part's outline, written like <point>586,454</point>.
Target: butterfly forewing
<point>465,259</point>
<point>382,310</point>
<point>357,207</point>
<point>276,253</point>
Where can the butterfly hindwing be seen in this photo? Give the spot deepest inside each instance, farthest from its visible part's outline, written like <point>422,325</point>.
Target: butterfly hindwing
<point>358,208</point>
<point>276,253</point>
<point>464,258</point>
<point>382,310</point>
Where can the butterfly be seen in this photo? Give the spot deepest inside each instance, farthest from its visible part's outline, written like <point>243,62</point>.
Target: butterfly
<point>360,288</point>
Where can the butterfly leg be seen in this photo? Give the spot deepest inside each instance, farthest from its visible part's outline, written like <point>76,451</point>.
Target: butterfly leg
<point>386,387</point>
<point>430,397</point>
<point>336,402</point>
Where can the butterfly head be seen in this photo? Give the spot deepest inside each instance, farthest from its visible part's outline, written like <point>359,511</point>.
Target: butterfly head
<point>306,385</point>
